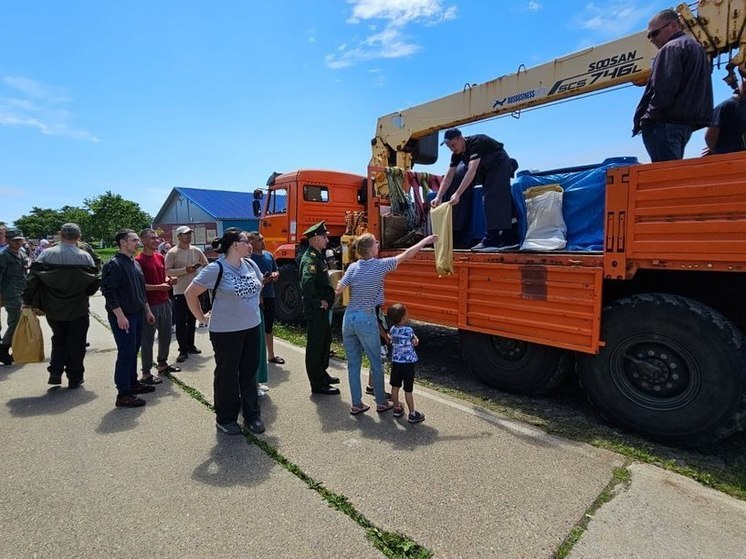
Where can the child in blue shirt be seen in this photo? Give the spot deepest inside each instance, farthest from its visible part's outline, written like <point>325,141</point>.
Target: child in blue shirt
<point>403,358</point>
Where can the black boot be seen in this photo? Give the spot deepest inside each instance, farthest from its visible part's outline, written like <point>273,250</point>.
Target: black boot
<point>5,357</point>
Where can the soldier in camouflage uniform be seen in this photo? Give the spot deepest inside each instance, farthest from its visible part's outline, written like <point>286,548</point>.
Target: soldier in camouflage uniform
<point>12,282</point>
<point>318,298</point>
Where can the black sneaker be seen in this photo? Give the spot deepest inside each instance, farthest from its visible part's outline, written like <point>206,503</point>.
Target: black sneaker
<point>54,379</point>
<point>183,356</point>
<point>194,350</point>
<point>140,388</point>
<point>128,401</point>
<point>75,383</point>
<point>231,428</point>
<point>256,426</point>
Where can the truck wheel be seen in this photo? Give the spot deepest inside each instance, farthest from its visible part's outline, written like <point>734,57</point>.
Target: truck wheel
<point>514,365</point>
<point>672,369</point>
<point>288,300</point>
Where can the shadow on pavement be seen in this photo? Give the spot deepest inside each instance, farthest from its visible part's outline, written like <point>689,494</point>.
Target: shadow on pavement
<point>56,400</point>
<point>119,419</point>
<point>7,370</point>
<point>233,462</point>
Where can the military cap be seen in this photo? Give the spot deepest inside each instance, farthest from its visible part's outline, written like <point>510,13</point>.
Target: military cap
<point>15,233</point>
<point>315,230</point>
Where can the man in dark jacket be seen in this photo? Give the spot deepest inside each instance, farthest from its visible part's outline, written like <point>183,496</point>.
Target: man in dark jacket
<point>12,282</point>
<point>678,96</point>
<point>123,286</point>
<point>59,284</point>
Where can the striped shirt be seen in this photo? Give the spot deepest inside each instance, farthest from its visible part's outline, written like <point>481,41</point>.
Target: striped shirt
<point>365,280</point>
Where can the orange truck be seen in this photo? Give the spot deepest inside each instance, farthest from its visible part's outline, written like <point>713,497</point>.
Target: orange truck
<point>653,323</point>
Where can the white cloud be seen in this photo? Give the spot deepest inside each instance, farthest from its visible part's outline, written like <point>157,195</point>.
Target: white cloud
<point>533,6</point>
<point>618,18</point>
<point>41,107</point>
<point>392,41</point>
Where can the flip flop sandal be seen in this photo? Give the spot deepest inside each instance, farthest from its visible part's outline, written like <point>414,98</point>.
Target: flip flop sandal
<point>170,369</point>
<point>277,360</point>
<point>354,410</point>
<point>151,379</point>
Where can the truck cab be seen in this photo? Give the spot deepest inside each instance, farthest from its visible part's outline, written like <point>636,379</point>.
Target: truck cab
<point>295,202</point>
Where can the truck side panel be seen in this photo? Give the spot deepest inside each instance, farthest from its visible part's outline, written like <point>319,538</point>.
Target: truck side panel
<point>687,214</point>
<point>552,304</point>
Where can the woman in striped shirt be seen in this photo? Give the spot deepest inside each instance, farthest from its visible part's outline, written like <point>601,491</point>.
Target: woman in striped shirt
<point>360,326</point>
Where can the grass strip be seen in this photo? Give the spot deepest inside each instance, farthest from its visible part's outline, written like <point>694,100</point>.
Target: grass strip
<point>391,544</point>
<point>620,477</point>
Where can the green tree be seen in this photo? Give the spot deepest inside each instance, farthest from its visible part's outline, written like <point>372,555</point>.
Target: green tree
<point>40,222</point>
<point>74,214</point>
<point>109,213</point>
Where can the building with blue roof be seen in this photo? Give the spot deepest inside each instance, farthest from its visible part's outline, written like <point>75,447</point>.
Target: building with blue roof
<point>208,212</point>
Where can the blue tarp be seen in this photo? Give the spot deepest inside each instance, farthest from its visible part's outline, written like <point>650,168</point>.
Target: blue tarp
<point>582,204</point>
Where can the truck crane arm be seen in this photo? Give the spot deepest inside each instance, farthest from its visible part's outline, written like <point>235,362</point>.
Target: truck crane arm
<point>410,136</point>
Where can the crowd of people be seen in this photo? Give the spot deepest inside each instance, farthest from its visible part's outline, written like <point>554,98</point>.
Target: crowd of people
<point>147,279</point>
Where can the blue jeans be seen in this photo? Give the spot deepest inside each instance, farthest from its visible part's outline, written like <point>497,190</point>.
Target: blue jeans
<point>360,333</point>
<point>128,344</point>
<point>665,141</point>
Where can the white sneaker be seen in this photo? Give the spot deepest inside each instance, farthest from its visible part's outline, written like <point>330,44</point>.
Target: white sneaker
<point>261,393</point>
<point>264,387</point>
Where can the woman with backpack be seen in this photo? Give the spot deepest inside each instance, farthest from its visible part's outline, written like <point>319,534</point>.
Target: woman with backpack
<point>234,324</point>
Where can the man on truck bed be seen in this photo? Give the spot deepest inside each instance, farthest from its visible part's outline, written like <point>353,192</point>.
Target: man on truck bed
<point>488,164</point>
<point>678,96</point>
<point>727,133</point>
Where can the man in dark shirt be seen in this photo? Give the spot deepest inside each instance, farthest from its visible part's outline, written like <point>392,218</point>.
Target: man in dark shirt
<point>678,96</point>
<point>728,130</point>
<point>487,163</point>
<point>123,286</point>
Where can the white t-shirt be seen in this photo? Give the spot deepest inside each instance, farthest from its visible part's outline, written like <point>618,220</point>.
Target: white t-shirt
<point>235,304</point>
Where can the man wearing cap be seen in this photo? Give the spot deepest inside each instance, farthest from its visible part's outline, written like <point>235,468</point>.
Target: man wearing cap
<point>318,298</point>
<point>60,282</point>
<point>12,282</point>
<point>182,262</point>
<point>487,163</point>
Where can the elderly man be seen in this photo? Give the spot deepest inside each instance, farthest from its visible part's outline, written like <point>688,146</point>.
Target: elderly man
<point>318,298</point>
<point>678,96</point>
<point>59,284</point>
<point>12,282</point>
<point>182,262</point>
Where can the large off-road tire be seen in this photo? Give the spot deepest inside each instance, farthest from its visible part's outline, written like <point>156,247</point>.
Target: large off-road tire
<point>288,299</point>
<point>514,365</point>
<point>672,369</point>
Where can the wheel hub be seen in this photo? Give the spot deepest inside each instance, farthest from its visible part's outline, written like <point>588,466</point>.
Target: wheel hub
<point>658,374</point>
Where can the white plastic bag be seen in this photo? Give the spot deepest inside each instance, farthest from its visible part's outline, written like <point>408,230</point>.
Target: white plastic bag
<point>546,226</point>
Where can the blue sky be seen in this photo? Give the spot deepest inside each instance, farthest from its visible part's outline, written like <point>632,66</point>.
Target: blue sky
<point>141,96</point>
